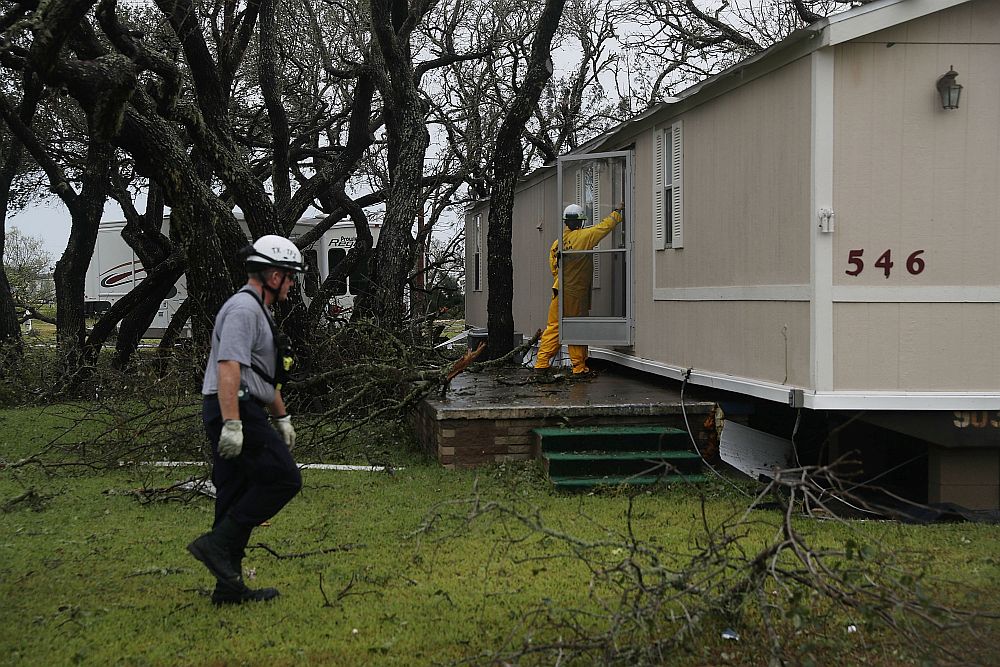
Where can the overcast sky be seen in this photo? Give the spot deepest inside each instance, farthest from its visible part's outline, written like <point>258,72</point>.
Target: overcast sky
<point>51,223</point>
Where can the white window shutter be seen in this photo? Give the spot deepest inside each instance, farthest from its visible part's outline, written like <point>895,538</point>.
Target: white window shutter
<point>677,181</point>
<point>659,210</point>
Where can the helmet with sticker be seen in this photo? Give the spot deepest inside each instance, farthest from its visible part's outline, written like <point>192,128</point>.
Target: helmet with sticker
<point>272,250</point>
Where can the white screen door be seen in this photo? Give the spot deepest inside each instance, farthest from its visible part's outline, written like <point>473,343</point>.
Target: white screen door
<point>595,281</point>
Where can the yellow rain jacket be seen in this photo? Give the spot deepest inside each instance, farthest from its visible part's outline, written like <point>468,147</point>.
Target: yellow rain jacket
<point>578,270</point>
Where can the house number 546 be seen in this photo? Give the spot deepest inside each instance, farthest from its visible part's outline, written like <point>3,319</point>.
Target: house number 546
<point>914,263</point>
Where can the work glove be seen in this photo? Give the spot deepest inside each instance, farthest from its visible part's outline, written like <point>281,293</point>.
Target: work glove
<point>231,439</point>
<point>283,425</point>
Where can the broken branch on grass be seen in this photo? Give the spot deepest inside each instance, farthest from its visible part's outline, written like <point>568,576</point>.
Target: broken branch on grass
<point>326,600</point>
<point>31,498</point>
<point>162,571</point>
<point>306,554</point>
<point>344,592</point>
<point>648,601</point>
<point>184,491</point>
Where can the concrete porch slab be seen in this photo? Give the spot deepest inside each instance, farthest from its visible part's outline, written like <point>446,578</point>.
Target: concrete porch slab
<point>489,417</point>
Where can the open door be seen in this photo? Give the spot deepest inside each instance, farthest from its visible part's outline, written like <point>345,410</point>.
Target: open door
<point>595,295</point>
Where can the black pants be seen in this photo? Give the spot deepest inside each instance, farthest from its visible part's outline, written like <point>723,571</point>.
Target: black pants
<point>255,485</point>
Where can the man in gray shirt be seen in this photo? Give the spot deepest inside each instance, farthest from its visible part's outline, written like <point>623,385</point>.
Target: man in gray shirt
<point>245,418</point>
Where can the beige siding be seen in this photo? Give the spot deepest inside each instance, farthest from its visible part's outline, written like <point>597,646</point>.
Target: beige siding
<point>916,346</point>
<point>746,216</point>
<point>535,205</point>
<point>911,176</point>
<point>766,341</point>
<point>746,186</point>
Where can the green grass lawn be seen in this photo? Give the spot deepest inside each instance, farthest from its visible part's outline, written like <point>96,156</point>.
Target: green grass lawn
<point>90,575</point>
<point>42,331</point>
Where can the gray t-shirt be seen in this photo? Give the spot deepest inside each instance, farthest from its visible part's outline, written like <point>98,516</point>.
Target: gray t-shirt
<point>242,334</point>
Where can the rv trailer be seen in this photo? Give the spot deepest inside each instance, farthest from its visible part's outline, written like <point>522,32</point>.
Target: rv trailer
<point>115,270</point>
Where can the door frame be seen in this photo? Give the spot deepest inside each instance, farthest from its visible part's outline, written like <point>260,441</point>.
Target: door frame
<point>609,331</point>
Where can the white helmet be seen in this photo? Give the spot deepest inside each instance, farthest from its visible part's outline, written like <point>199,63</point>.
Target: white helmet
<point>274,250</point>
<point>574,212</point>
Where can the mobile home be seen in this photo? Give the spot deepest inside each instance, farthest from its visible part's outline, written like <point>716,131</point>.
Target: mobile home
<point>817,226</point>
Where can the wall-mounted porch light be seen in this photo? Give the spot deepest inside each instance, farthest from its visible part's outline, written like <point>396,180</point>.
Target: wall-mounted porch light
<point>949,89</point>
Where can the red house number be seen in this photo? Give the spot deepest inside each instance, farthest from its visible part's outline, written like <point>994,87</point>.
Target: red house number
<point>914,263</point>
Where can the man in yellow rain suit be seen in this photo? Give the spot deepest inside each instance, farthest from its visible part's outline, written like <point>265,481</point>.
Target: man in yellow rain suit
<point>578,273</point>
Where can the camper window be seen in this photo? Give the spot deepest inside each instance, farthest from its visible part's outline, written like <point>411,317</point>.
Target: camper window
<point>312,272</point>
<point>336,256</point>
<point>358,277</point>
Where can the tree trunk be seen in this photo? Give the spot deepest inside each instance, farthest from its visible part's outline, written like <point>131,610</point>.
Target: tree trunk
<point>499,264</point>
<point>175,327</point>
<point>135,311</point>
<point>361,252</point>
<point>71,269</point>
<point>393,258</point>
<point>407,138</point>
<point>10,327</point>
<point>418,290</point>
<point>508,156</point>
<point>271,89</point>
<point>209,281</point>
<point>143,233</point>
<point>135,324</point>
<point>199,223</point>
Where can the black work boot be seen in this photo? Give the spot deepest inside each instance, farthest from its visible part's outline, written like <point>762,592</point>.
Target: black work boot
<point>214,549</point>
<point>236,592</point>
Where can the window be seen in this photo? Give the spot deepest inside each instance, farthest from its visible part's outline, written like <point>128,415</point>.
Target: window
<point>312,272</point>
<point>588,195</point>
<point>668,194</point>
<point>336,256</point>
<point>477,253</point>
<point>359,277</point>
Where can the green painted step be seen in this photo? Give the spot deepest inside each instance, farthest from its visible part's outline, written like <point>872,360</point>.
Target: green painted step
<point>619,464</point>
<point>609,455</point>
<point>614,480</point>
<point>619,456</point>
<point>608,430</point>
<point>612,438</point>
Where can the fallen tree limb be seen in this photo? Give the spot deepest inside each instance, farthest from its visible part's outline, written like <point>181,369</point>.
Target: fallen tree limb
<point>306,554</point>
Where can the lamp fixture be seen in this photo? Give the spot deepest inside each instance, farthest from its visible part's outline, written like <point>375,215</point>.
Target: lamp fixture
<point>949,89</point>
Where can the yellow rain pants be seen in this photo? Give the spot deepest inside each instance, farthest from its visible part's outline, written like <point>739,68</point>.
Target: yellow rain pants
<point>578,272</point>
